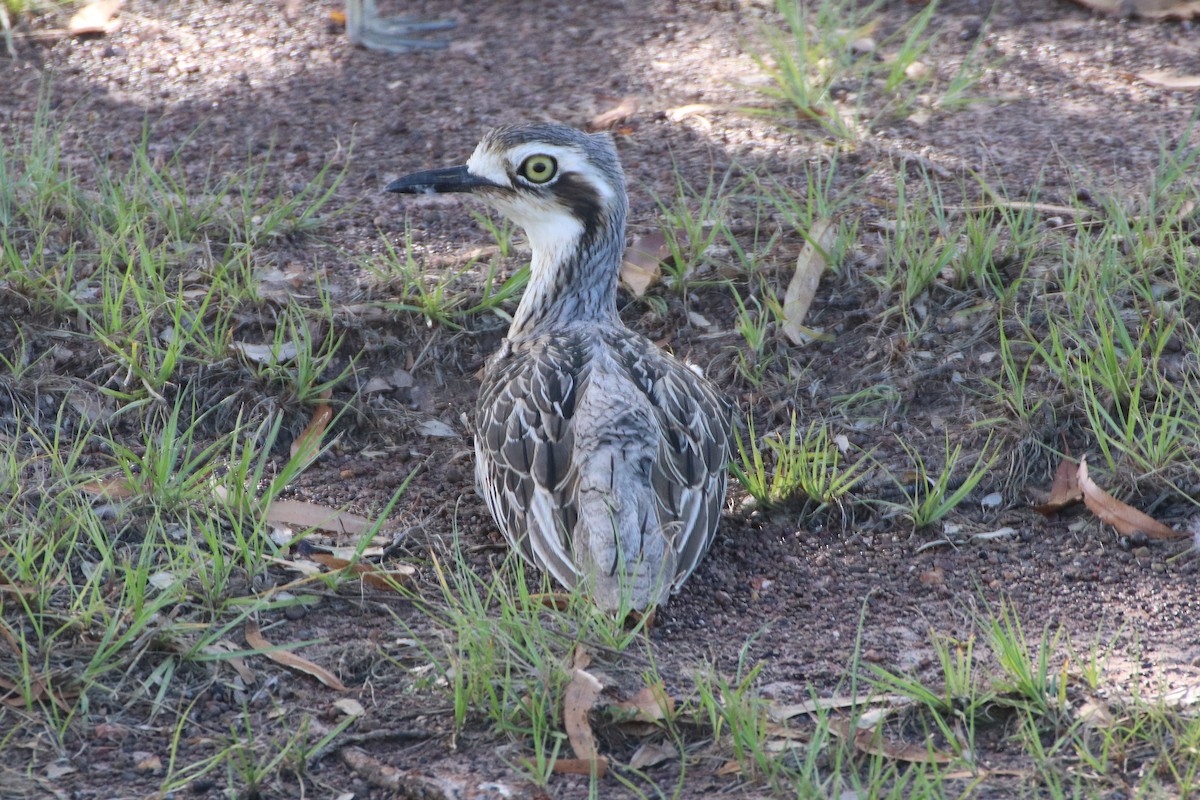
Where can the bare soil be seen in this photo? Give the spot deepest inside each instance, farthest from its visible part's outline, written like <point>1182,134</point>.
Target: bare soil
<point>794,590</point>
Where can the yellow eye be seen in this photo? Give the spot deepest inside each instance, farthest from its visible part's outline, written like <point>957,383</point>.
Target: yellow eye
<point>538,169</point>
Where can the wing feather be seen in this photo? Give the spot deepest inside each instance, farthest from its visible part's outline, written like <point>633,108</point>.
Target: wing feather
<point>526,469</point>
<point>689,475</point>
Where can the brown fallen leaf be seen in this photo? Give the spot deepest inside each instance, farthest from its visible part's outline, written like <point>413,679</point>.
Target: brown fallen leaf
<point>369,573</point>
<point>837,702</point>
<point>650,704</point>
<point>582,693</point>
<point>306,446</point>
<point>255,639</point>
<point>680,113</point>
<point>1150,9</point>
<point>400,782</point>
<point>871,742</point>
<point>810,264</point>
<point>299,514</point>
<point>36,691</point>
<point>580,766</point>
<point>1125,518</point>
<point>222,651</point>
<point>95,18</point>
<point>1064,490</point>
<point>618,113</point>
<point>651,754</point>
<point>115,488</point>
<point>643,262</point>
<point>1170,80</point>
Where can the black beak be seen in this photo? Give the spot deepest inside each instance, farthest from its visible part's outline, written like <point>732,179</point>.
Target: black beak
<point>439,181</point>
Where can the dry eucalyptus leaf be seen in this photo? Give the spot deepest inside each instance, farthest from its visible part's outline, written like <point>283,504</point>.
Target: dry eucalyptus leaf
<point>1125,518</point>
<point>96,17</point>
<point>871,742</point>
<point>650,704</point>
<point>652,754</point>
<point>680,113</point>
<point>349,706</point>
<point>436,429</point>
<point>299,514</point>
<point>810,264</point>
<point>266,353</point>
<point>1169,80</point>
<point>308,443</point>
<point>618,113</point>
<point>643,262</point>
<point>1064,491</point>
<point>369,573</point>
<point>1150,9</point>
<point>255,639</point>
<point>582,693</point>
<point>117,488</point>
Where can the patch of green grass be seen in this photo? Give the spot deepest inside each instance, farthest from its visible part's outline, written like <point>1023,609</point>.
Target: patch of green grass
<point>824,66</point>
<point>445,297</point>
<point>933,494</point>
<point>692,220</point>
<point>776,469</point>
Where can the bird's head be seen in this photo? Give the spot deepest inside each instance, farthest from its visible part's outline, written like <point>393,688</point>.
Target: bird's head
<point>561,185</point>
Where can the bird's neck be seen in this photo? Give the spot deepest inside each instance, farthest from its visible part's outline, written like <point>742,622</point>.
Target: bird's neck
<point>573,276</point>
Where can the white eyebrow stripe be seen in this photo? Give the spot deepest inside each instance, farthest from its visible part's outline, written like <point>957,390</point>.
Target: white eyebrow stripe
<point>496,167</point>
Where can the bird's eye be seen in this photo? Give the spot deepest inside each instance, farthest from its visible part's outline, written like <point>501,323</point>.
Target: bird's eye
<point>538,169</point>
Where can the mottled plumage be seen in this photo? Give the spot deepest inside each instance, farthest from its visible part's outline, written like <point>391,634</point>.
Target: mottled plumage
<point>601,457</point>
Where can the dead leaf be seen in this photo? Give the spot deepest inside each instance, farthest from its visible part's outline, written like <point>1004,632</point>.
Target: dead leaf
<point>783,713</point>
<point>871,742</point>
<point>115,488</point>
<point>436,429</point>
<point>650,704</point>
<point>369,573</point>
<point>618,113</point>
<point>580,766</point>
<point>299,514</point>
<point>95,17</point>
<point>37,690</point>
<point>255,639</point>
<point>146,762</point>
<point>582,693</point>
<point>680,113</point>
<point>1150,9</point>
<point>349,706</point>
<point>308,443</point>
<point>1170,80</point>
<point>222,652</point>
<point>1125,518</point>
<point>267,353</point>
<point>810,264</point>
<point>643,262</point>
<point>653,753</point>
<point>1064,490</point>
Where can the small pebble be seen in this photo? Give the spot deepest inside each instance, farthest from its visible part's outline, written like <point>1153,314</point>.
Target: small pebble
<point>863,45</point>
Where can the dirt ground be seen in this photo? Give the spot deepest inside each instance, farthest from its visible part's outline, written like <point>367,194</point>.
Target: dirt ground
<point>784,588</point>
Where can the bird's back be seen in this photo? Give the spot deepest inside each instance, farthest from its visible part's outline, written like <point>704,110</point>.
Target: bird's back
<point>603,459</point>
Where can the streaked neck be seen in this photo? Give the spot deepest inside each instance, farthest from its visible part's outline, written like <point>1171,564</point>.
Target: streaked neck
<point>573,275</point>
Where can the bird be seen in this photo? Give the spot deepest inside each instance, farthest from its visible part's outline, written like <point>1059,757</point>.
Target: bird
<point>367,28</point>
<point>602,458</point>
